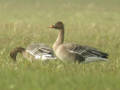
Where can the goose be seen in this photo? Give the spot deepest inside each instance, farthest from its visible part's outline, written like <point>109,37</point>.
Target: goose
<point>70,52</point>
<point>35,51</point>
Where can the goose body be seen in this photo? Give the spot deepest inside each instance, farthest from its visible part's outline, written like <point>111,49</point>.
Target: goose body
<point>35,51</point>
<point>74,52</point>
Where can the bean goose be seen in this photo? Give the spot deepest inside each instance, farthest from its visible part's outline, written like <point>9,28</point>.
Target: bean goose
<point>36,51</point>
<point>74,52</point>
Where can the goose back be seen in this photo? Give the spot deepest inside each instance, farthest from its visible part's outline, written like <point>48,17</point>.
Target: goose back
<point>40,51</point>
<point>85,51</point>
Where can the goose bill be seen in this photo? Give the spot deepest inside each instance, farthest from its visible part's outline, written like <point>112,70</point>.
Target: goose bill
<point>51,26</point>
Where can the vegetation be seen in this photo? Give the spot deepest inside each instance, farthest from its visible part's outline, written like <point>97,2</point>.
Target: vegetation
<point>87,22</point>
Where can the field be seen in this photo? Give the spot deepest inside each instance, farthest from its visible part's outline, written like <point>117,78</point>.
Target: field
<point>87,22</point>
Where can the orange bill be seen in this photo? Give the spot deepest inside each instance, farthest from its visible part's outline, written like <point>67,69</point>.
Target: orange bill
<point>51,26</point>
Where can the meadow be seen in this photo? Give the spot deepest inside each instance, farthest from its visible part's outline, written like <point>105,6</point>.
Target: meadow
<point>94,23</point>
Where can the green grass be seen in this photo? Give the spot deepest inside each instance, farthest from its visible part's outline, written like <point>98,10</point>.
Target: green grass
<point>87,22</point>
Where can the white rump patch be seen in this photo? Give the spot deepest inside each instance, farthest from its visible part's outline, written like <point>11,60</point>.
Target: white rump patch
<point>44,57</point>
<point>94,59</point>
<point>37,57</point>
<point>41,56</point>
<point>47,56</point>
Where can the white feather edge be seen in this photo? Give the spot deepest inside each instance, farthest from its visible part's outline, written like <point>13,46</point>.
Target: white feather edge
<point>94,59</point>
<point>41,57</point>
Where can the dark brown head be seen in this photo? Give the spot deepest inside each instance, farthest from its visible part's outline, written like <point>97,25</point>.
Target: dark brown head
<point>59,26</point>
<point>14,52</point>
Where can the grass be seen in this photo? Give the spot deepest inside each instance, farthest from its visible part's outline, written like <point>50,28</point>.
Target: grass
<point>90,22</point>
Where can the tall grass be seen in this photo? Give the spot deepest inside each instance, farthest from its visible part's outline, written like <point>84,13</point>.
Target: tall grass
<point>95,23</point>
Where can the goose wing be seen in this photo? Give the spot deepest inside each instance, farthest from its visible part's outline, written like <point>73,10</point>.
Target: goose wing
<point>85,51</point>
<point>39,50</point>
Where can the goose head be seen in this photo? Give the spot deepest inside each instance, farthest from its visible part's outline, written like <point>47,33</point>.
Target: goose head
<point>58,26</point>
<point>14,52</point>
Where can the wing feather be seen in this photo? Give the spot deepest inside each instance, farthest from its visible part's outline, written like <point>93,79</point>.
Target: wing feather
<point>40,50</point>
<point>85,51</point>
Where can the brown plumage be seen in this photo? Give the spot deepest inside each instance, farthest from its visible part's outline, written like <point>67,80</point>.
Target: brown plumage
<point>15,51</point>
<point>35,51</point>
<point>74,52</point>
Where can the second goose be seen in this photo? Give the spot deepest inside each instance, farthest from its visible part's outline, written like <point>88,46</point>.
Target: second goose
<point>35,51</point>
<point>73,52</point>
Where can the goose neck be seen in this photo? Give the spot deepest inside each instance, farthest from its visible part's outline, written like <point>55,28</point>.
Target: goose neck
<point>60,39</point>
